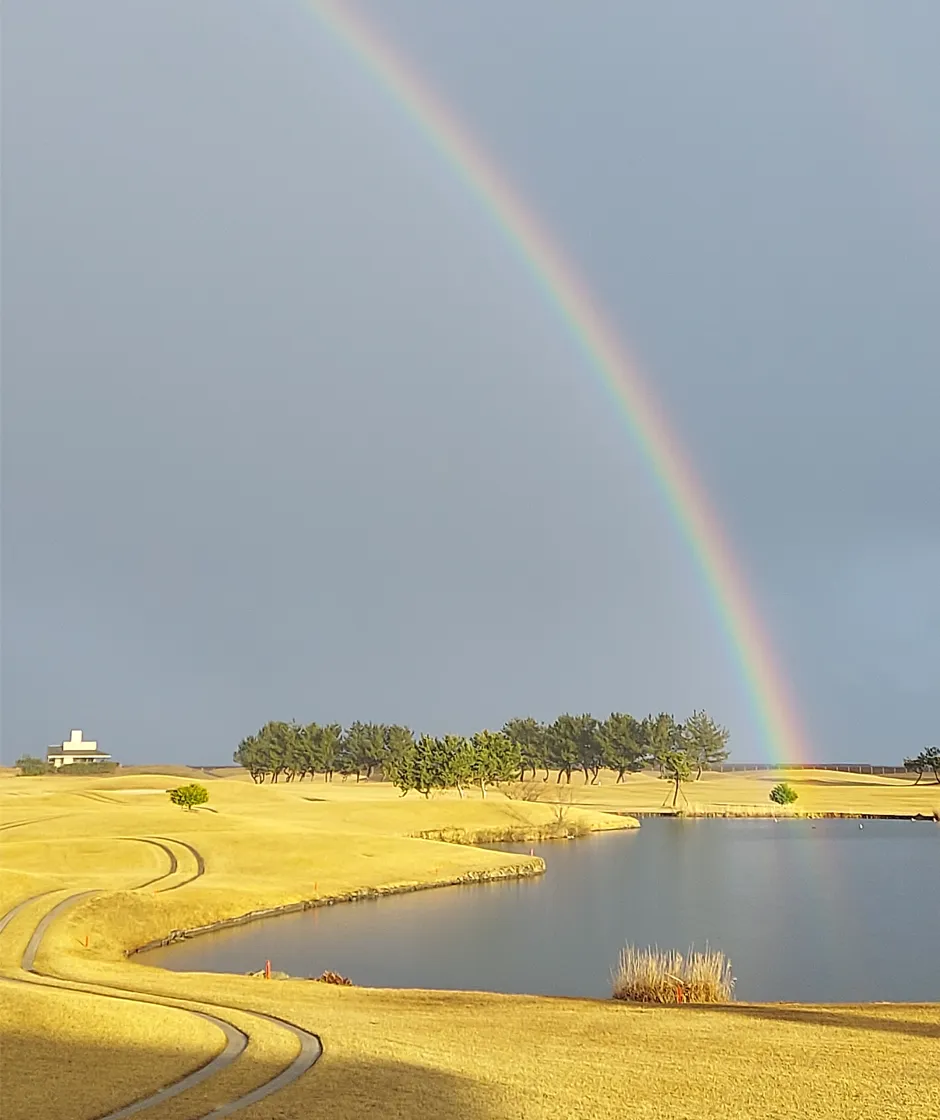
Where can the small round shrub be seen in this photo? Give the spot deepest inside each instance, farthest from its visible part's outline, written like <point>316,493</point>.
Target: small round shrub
<point>188,797</point>
<point>783,794</point>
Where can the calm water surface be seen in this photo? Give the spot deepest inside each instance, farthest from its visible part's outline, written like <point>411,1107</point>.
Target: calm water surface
<point>820,911</point>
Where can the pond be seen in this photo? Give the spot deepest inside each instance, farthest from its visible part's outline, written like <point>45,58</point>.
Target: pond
<point>819,911</point>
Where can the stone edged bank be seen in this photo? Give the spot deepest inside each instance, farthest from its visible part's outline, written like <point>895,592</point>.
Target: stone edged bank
<point>798,815</point>
<point>535,865</point>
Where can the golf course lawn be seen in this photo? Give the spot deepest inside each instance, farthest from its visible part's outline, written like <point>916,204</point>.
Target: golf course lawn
<point>407,1054</point>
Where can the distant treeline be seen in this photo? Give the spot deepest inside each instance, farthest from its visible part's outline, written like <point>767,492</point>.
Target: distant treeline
<point>621,743</point>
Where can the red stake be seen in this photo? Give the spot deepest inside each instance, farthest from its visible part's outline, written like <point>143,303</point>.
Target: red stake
<point>267,970</point>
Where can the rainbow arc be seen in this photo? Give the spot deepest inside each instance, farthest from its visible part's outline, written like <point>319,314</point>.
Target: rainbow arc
<point>749,643</point>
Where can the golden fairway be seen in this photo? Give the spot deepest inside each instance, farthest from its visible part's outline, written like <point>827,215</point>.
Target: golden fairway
<point>387,1053</point>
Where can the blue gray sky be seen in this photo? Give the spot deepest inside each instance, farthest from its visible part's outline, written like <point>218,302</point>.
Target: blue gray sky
<point>288,432</point>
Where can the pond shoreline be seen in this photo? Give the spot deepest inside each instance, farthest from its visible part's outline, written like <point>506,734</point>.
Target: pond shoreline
<point>597,896</point>
<point>533,867</point>
<point>751,816</point>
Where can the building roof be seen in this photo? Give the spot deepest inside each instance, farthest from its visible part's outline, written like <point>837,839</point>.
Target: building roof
<point>52,752</point>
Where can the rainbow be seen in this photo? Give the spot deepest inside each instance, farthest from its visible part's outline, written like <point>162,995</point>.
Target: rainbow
<point>774,711</point>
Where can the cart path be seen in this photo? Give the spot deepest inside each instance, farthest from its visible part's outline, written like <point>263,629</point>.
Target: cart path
<point>236,1040</point>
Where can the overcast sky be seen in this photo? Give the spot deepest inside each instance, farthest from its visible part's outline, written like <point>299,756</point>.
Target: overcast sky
<point>288,432</point>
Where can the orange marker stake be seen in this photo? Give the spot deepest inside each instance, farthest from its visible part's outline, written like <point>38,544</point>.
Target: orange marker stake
<point>267,970</point>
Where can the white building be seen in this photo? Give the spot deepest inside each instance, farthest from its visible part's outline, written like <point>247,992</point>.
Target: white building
<point>75,749</point>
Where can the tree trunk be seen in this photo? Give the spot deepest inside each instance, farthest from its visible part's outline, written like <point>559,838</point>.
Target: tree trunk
<point>675,795</point>
<point>459,790</point>
<point>620,775</point>
<point>585,769</point>
<point>920,774</point>
<point>596,770</point>
<point>483,787</point>
<point>560,772</point>
<point>545,779</point>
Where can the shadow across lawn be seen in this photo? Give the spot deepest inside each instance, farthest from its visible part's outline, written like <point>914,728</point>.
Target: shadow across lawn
<point>337,1087</point>
<point>851,1018</point>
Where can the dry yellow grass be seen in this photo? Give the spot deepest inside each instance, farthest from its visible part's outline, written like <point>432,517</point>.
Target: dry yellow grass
<point>405,1055</point>
<point>747,793</point>
<point>416,1055</point>
<point>78,1055</point>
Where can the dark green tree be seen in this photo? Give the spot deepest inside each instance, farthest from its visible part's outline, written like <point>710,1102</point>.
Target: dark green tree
<point>705,742</point>
<point>415,765</point>
<point>590,747</point>
<point>250,754</point>
<point>278,744</point>
<point>928,759</point>
<point>294,753</point>
<point>306,750</point>
<point>376,748</point>
<point>398,742</point>
<point>494,757</point>
<point>675,767</point>
<point>329,740</point>
<point>356,750</point>
<point>622,744</point>
<point>661,736</point>
<point>564,743</point>
<point>532,739</point>
<point>427,767</point>
<point>455,755</point>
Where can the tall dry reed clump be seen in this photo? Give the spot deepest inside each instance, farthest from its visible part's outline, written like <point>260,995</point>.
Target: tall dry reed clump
<point>654,975</point>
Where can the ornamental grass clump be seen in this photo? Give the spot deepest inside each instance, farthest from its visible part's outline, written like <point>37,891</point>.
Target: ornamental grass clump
<point>654,975</point>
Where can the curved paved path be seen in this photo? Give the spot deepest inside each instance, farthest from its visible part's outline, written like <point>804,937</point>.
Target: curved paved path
<point>236,1040</point>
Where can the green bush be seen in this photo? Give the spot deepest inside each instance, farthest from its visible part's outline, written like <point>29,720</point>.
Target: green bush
<point>31,766</point>
<point>783,794</point>
<point>83,769</point>
<point>188,797</point>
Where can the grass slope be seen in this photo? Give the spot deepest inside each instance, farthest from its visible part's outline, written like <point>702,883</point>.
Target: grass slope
<point>397,1054</point>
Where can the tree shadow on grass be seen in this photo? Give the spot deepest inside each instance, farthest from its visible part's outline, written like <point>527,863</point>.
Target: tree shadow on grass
<point>345,1088</point>
<point>850,1018</point>
<point>72,1079</point>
